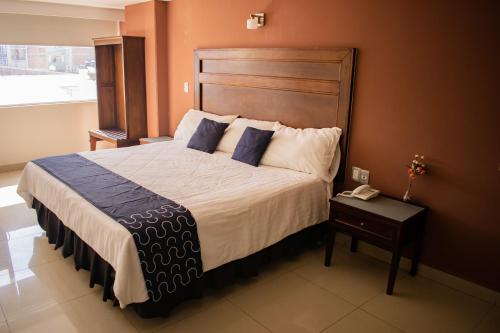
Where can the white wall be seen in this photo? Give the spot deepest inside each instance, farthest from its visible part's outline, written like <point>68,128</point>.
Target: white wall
<point>48,30</point>
<point>61,10</point>
<point>29,132</point>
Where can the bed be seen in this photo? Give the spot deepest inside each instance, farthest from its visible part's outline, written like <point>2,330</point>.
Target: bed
<point>241,212</point>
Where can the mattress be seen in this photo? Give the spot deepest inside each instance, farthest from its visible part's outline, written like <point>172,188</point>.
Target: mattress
<point>239,209</point>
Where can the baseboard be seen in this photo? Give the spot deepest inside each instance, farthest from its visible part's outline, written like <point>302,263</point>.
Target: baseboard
<point>12,167</point>
<point>428,272</point>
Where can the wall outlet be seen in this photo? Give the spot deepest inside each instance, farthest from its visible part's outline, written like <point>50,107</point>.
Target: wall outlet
<point>356,174</point>
<point>364,176</point>
<point>360,175</point>
<point>186,87</point>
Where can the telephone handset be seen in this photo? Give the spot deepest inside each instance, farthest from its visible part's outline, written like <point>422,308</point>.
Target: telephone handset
<point>363,192</point>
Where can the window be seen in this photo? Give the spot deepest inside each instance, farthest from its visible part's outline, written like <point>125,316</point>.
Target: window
<point>33,74</point>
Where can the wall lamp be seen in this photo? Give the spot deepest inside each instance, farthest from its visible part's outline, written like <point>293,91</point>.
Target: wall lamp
<point>256,21</point>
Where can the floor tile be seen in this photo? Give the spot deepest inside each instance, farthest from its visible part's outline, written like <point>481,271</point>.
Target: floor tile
<point>52,318</point>
<point>271,271</point>
<point>219,318</point>
<point>84,314</point>
<point>4,328</point>
<point>10,178</point>
<point>291,304</point>
<point>17,221</point>
<point>22,292</point>
<point>421,305</point>
<point>13,212</point>
<point>41,286</point>
<point>491,322</point>
<point>179,313</point>
<point>22,253</point>
<point>91,314</point>
<point>63,279</point>
<point>9,196</point>
<point>288,264</point>
<point>360,321</point>
<point>353,276</point>
<point>279,267</point>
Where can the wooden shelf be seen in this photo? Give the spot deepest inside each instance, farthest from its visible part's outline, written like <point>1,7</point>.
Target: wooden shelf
<point>121,90</point>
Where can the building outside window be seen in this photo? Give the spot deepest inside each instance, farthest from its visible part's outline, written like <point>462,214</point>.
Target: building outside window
<point>34,74</point>
<point>3,55</point>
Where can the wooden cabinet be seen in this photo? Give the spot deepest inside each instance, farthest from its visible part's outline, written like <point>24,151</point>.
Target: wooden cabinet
<point>121,91</point>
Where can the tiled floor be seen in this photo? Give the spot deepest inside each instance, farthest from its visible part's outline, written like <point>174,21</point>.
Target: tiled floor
<point>41,292</point>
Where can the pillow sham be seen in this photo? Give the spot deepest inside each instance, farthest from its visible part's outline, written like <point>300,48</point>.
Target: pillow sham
<point>192,119</point>
<point>207,135</point>
<point>307,150</point>
<point>252,145</point>
<point>235,130</point>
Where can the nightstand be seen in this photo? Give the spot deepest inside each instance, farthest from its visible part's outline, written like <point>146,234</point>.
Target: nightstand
<point>144,141</point>
<point>382,221</point>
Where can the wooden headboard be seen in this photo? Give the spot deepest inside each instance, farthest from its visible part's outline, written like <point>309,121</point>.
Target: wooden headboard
<point>297,87</point>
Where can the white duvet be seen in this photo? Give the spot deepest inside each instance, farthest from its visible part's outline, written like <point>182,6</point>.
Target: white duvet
<point>239,209</point>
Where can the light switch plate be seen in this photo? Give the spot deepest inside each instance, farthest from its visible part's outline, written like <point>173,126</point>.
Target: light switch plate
<point>186,87</point>
<point>356,174</point>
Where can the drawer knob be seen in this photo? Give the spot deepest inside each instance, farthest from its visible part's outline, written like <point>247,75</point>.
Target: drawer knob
<point>362,224</point>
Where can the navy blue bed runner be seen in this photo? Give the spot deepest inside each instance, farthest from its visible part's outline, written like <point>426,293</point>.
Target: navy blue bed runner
<point>164,232</point>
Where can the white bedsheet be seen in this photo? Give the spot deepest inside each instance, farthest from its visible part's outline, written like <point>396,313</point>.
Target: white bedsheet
<point>239,209</point>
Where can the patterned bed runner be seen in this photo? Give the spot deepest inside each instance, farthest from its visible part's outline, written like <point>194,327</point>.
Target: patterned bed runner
<point>164,232</point>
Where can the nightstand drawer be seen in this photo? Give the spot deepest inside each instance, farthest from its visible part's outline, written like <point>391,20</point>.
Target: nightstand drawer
<point>369,225</point>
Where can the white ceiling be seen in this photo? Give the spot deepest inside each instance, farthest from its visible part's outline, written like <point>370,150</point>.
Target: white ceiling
<point>118,4</point>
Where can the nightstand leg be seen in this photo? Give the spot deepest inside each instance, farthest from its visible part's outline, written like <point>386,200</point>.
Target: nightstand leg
<point>93,142</point>
<point>354,244</point>
<point>416,253</point>
<point>415,259</point>
<point>396,255</point>
<point>330,241</point>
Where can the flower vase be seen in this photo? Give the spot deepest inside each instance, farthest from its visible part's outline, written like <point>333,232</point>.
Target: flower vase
<point>407,196</point>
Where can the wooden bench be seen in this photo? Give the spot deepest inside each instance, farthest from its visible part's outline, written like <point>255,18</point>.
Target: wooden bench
<point>117,137</point>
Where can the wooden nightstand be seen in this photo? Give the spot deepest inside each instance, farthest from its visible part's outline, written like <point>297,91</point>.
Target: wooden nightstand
<point>388,223</point>
<point>144,141</point>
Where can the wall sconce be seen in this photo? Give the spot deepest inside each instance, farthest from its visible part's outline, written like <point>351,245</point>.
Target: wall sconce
<point>256,21</point>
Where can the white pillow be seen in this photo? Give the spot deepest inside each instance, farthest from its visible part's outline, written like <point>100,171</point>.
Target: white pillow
<point>192,119</point>
<point>234,132</point>
<point>307,150</point>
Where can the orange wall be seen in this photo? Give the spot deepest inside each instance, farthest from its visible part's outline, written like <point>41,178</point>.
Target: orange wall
<point>424,84</point>
<point>141,20</point>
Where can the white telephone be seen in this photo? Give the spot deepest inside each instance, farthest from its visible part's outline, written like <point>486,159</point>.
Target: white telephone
<point>364,192</point>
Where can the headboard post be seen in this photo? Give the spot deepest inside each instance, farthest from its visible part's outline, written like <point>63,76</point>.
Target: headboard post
<point>197,86</point>
<point>297,87</point>
<point>344,117</point>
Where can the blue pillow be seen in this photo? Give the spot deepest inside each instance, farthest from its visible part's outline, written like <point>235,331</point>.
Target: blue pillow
<point>207,135</point>
<point>252,145</point>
